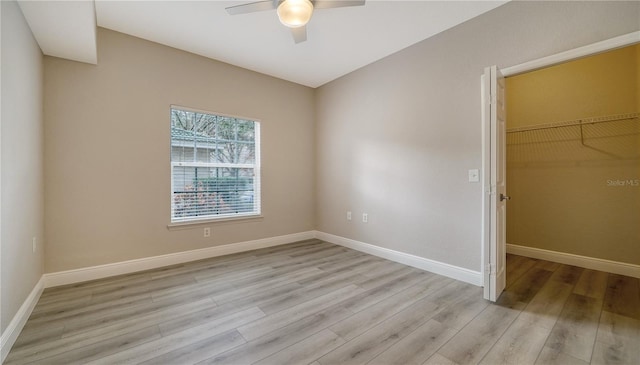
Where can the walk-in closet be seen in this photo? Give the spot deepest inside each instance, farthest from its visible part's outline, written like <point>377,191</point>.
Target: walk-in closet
<point>573,158</point>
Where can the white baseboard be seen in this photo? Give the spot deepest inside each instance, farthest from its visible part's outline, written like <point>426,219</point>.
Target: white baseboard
<point>126,267</point>
<point>454,272</point>
<point>615,267</point>
<point>10,334</point>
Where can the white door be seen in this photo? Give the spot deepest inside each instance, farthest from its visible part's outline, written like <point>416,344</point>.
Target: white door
<point>495,115</point>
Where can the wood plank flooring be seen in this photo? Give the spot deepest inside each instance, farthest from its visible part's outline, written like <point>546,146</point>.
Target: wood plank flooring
<point>316,303</point>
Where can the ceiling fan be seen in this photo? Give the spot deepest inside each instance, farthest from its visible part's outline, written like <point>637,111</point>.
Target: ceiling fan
<point>294,14</point>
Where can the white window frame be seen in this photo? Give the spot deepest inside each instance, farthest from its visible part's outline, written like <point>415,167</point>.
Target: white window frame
<point>256,166</point>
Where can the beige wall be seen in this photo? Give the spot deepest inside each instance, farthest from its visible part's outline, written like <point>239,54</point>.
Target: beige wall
<point>396,138</point>
<point>107,176</point>
<point>562,198</point>
<point>22,171</point>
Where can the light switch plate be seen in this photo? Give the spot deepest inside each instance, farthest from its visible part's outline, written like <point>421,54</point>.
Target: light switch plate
<point>474,175</point>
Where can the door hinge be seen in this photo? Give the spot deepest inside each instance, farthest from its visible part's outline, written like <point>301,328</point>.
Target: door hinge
<point>492,189</point>
<point>490,269</point>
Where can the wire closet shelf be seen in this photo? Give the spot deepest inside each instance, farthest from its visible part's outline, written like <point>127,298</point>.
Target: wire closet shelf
<point>614,137</point>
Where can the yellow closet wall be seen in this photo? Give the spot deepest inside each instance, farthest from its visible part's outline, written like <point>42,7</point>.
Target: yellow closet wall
<point>566,196</point>
<point>599,85</point>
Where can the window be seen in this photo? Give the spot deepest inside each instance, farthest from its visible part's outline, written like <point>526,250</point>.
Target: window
<point>215,166</point>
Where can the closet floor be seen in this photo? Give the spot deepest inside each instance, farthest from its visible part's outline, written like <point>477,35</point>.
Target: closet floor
<point>316,303</point>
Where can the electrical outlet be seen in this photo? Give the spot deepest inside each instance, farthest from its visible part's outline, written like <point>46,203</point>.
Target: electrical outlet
<point>33,244</point>
<point>365,217</point>
<point>349,215</point>
<point>207,232</point>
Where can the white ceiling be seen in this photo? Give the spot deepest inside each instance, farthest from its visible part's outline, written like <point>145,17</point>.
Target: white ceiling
<point>65,29</point>
<point>339,40</point>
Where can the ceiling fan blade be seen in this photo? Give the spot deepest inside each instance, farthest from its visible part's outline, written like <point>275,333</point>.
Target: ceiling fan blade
<point>252,7</point>
<point>299,34</point>
<point>326,4</point>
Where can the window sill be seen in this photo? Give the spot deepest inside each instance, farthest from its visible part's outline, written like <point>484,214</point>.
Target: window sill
<point>194,223</point>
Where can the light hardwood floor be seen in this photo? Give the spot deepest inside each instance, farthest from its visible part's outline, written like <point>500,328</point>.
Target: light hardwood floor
<point>316,303</point>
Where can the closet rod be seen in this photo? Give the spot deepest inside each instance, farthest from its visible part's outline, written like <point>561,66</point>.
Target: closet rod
<point>613,118</point>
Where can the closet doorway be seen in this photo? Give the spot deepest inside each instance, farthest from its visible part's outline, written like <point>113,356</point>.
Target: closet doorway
<point>573,159</point>
<point>564,157</point>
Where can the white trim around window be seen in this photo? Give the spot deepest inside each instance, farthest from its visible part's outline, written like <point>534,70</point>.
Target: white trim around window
<point>215,167</point>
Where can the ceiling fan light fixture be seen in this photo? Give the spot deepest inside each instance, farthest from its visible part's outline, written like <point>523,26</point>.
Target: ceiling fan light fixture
<point>295,13</point>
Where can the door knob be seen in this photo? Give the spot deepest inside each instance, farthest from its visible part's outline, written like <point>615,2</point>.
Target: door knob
<point>504,197</point>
